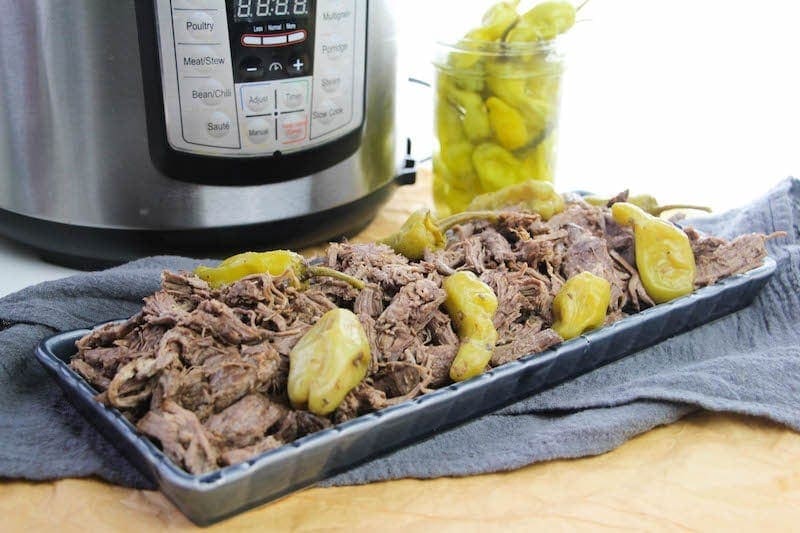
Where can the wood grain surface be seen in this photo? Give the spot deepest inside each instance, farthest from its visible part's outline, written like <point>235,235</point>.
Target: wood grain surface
<point>707,472</point>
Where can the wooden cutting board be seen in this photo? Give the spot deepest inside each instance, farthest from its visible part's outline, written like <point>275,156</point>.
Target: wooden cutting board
<point>705,472</point>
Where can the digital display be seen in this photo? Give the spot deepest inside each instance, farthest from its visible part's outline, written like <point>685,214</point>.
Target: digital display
<point>258,10</point>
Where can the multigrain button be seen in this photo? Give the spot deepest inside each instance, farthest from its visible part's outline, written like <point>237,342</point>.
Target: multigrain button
<point>259,130</point>
<point>258,99</point>
<point>218,125</point>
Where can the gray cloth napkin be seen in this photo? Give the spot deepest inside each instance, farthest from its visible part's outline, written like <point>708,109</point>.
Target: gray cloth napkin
<point>748,362</point>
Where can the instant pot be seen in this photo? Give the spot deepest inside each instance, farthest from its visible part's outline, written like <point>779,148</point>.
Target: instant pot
<point>131,128</point>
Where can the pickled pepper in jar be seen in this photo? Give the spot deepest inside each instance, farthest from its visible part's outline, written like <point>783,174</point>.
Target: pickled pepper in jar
<point>497,103</point>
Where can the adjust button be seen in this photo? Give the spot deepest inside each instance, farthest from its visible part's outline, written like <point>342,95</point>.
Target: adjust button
<point>258,99</point>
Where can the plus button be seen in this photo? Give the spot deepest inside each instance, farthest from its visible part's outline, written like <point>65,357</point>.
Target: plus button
<point>298,65</point>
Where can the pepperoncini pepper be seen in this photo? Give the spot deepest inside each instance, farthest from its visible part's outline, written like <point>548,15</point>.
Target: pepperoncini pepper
<point>581,304</point>
<point>664,256</point>
<point>471,305</point>
<point>496,167</point>
<point>422,232</point>
<point>538,196</point>
<point>507,123</point>
<point>274,263</point>
<point>499,18</point>
<point>542,22</point>
<point>647,203</point>
<point>475,116</point>
<point>328,362</point>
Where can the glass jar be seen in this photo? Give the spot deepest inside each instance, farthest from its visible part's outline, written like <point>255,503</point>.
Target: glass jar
<point>496,115</point>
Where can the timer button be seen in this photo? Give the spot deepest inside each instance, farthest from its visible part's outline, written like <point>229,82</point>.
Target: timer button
<point>292,96</point>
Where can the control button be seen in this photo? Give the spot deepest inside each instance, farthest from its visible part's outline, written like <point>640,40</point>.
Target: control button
<point>201,60</point>
<point>196,26</point>
<point>251,40</point>
<point>259,130</point>
<point>292,128</point>
<point>207,91</point>
<point>274,27</point>
<point>276,66</point>
<point>251,69</point>
<point>219,125</point>
<point>298,65</point>
<point>297,37</point>
<point>331,83</point>
<point>292,96</point>
<point>274,40</point>
<point>258,29</point>
<point>291,26</point>
<point>257,99</point>
<point>328,111</point>
<point>335,47</point>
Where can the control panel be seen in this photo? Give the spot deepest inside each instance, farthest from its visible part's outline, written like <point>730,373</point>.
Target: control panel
<point>250,78</point>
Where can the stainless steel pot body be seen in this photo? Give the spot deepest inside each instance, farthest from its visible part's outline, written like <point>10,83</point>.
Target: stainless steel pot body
<point>74,138</point>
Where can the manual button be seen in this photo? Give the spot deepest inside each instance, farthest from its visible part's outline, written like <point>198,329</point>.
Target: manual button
<point>259,130</point>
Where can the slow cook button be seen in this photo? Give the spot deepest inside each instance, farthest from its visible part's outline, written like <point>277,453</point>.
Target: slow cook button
<point>258,99</point>
<point>327,112</point>
<point>292,128</point>
<point>218,125</point>
<point>197,27</point>
<point>259,130</point>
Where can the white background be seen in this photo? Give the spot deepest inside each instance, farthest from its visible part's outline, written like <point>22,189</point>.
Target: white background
<point>689,100</point>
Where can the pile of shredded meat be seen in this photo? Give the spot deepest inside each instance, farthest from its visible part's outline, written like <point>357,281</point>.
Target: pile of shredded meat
<point>203,372</point>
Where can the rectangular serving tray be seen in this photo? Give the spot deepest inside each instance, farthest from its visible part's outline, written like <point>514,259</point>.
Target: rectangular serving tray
<point>211,497</point>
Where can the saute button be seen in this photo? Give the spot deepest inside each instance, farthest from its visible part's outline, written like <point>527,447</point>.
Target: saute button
<point>218,125</point>
<point>258,99</point>
<point>259,130</point>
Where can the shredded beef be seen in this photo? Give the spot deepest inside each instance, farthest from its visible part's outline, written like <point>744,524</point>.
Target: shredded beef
<point>204,372</point>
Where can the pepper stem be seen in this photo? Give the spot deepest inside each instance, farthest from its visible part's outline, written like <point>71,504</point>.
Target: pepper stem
<point>317,271</point>
<point>448,223</point>
<point>662,208</point>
